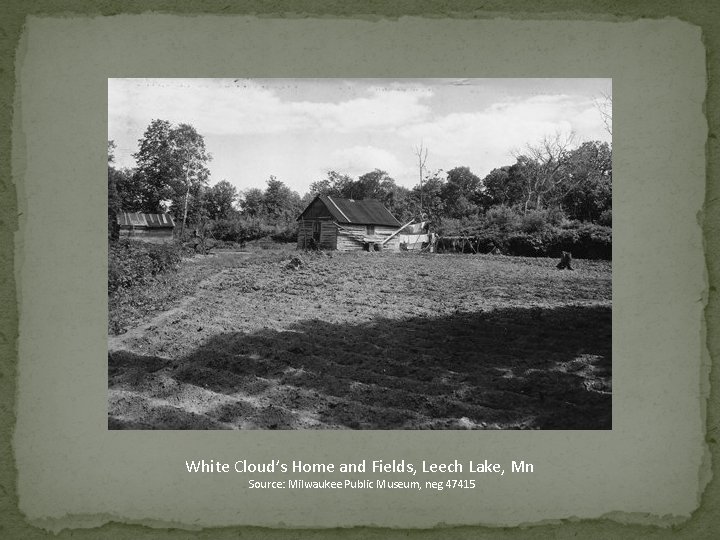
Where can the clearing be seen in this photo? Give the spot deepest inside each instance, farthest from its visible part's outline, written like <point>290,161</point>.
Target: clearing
<point>368,341</point>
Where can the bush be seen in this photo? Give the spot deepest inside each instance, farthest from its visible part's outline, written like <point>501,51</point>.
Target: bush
<point>534,221</point>
<point>456,227</point>
<point>529,245</point>
<point>240,230</point>
<point>285,234</point>
<point>132,262</point>
<point>605,218</point>
<point>502,218</point>
<point>582,240</point>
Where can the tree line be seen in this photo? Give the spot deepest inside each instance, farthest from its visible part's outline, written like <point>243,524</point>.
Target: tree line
<point>555,180</point>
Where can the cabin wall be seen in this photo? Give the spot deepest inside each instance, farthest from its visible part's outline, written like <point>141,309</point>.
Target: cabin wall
<point>305,230</point>
<point>346,242</point>
<point>316,210</point>
<point>153,236</point>
<point>394,243</point>
<point>328,234</point>
<point>341,238</point>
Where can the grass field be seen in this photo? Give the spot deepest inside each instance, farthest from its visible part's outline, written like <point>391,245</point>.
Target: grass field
<point>364,341</point>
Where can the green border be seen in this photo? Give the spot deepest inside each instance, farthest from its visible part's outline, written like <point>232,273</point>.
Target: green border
<point>701,13</point>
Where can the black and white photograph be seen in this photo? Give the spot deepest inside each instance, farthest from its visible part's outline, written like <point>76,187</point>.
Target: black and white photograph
<point>364,254</point>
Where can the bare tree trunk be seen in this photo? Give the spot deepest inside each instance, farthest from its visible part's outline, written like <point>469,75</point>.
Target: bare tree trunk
<point>421,165</point>
<point>187,195</point>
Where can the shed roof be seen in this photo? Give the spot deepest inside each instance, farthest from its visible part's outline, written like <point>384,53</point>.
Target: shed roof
<point>365,212</point>
<point>151,221</point>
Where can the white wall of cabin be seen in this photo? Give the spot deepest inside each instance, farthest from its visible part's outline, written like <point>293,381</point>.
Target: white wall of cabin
<point>338,238</point>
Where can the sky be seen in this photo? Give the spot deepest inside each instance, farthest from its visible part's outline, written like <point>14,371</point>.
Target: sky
<point>299,129</point>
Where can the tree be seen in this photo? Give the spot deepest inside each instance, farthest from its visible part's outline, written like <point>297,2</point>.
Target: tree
<point>171,166</point>
<point>123,192</point>
<point>114,205</point>
<point>339,185</point>
<point>252,204</point>
<point>219,200</point>
<point>603,104</point>
<point>462,193</point>
<point>403,204</point>
<point>376,185</point>
<point>156,169</point>
<point>111,152</point>
<point>421,154</point>
<point>543,169</point>
<point>190,157</point>
<point>590,167</point>
<point>433,207</point>
<point>504,186</point>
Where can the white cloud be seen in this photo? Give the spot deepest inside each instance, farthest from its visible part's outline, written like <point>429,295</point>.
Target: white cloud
<point>486,139</point>
<point>227,108</point>
<point>358,160</point>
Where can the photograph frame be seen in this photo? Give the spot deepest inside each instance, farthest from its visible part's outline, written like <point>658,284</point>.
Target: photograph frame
<point>589,527</point>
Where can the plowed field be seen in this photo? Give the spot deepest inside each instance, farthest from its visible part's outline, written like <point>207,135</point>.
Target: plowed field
<point>370,341</point>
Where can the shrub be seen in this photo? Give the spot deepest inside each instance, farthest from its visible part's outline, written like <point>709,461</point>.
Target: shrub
<point>535,244</point>
<point>132,262</point>
<point>605,218</point>
<point>240,230</point>
<point>456,227</point>
<point>285,234</point>
<point>584,241</point>
<point>536,221</point>
<point>502,218</point>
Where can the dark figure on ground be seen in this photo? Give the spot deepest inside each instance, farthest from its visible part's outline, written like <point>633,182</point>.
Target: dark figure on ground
<point>565,261</point>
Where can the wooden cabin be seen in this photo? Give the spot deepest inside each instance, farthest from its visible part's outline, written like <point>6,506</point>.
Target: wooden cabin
<point>154,228</point>
<point>347,225</point>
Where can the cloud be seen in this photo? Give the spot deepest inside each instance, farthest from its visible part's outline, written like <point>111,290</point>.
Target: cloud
<point>486,139</point>
<point>298,128</point>
<point>358,160</point>
<point>229,108</point>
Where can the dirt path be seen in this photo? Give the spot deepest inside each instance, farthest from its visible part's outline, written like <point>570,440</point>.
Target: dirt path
<point>375,341</point>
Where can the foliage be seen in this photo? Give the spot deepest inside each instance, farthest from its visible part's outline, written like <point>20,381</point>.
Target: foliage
<point>536,221</point>
<point>501,218</point>
<point>606,218</point>
<point>521,207</point>
<point>280,203</point>
<point>123,192</point>
<point>539,233</point>
<point>131,262</point>
<point>171,166</point>
<point>240,230</point>
<point>219,200</point>
<point>461,193</point>
<point>551,174</point>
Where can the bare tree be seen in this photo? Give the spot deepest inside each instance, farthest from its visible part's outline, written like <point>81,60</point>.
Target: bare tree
<point>544,171</point>
<point>604,106</point>
<point>421,153</point>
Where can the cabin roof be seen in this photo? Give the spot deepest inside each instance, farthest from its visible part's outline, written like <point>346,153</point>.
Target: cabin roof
<point>365,212</point>
<point>150,221</point>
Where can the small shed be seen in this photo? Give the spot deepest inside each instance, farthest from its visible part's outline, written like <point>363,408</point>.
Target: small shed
<point>154,228</point>
<point>347,225</point>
